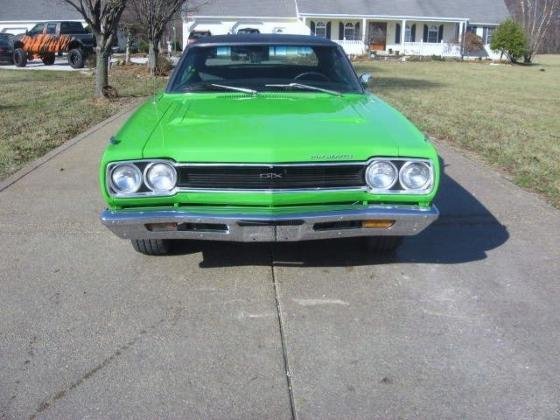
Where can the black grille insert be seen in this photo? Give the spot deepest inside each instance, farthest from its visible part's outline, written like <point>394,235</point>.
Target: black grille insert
<point>271,177</point>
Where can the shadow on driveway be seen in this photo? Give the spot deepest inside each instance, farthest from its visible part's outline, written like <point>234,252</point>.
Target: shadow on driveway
<point>465,231</point>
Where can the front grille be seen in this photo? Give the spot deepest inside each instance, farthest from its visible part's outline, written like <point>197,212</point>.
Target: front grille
<point>270,177</point>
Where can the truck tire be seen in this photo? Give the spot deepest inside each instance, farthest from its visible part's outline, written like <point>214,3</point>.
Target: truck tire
<point>20,57</point>
<point>383,244</point>
<point>76,58</point>
<point>151,246</point>
<point>48,60</point>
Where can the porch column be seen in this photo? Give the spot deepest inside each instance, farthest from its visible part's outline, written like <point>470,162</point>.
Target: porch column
<point>461,31</point>
<point>403,37</point>
<point>364,30</point>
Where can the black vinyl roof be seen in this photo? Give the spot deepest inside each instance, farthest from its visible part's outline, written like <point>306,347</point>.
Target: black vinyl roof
<point>256,39</point>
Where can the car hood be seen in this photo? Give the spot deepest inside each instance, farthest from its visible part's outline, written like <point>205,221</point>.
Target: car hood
<point>275,127</point>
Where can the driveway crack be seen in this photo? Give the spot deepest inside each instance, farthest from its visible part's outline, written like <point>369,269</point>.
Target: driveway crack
<point>281,328</point>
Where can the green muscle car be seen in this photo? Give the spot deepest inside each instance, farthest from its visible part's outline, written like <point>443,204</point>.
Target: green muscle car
<point>262,138</point>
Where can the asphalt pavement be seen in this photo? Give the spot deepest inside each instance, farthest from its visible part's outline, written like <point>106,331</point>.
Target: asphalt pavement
<point>463,322</point>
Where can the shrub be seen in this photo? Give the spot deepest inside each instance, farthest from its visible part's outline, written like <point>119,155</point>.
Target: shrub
<point>164,66</point>
<point>509,38</point>
<point>143,47</point>
<point>473,42</point>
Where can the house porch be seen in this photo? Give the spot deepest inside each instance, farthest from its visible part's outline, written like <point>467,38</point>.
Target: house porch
<point>382,36</point>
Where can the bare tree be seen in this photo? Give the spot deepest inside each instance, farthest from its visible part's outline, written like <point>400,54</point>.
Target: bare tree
<point>536,17</point>
<point>154,16</point>
<point>103,17</point>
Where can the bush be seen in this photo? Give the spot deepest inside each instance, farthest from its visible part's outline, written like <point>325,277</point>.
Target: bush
<point>509,38</point>
<point>143,47</point>
<point>164,66</point>
<point>473,43</point>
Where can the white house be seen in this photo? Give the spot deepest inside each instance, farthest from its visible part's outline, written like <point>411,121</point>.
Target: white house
<point>17,16</point>
<point>386,27</point>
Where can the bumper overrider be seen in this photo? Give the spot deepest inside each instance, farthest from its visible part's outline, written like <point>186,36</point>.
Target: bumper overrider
<point>268,226</point>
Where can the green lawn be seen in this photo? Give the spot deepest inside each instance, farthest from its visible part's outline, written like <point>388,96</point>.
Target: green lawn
<point>508,115</point>
<point>40,110</point>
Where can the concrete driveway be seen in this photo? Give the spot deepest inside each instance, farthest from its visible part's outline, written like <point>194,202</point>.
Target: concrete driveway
<point>462,323</point>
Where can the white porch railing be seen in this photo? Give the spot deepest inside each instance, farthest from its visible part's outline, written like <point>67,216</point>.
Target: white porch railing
<point>424,48</point>
<point>352,47</point>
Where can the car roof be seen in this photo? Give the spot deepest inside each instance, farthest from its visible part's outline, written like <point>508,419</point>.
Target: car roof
<point>256,39</point>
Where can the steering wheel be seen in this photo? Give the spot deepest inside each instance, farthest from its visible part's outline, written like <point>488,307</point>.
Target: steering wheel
<point>311,73</point>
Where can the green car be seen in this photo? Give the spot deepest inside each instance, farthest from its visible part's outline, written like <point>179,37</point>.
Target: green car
<point>264,138</point>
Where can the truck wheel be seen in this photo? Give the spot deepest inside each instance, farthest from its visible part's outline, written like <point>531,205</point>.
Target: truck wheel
<point>151,246</point>
<point>48,60</point>
<point>76,58</point>
<point>20,57</point>
<point>383,244</point>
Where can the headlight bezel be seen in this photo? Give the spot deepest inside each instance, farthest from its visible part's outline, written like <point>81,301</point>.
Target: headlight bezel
<point>145,190</point>
<point>398,188</point>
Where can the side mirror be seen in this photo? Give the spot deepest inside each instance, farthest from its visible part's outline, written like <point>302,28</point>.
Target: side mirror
<point>365,80</point>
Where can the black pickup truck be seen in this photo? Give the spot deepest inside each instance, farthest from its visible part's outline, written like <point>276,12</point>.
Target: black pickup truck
<point>48,39</point>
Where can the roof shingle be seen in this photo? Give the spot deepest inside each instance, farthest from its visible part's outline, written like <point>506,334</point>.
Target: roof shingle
<point>36,10</point>
<point>477,11</point>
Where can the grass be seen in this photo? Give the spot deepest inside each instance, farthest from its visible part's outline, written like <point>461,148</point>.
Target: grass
<point>507,115</point>
<point>40,110</point>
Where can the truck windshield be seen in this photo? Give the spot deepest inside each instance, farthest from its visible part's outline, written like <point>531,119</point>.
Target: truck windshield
<point>265,68</point>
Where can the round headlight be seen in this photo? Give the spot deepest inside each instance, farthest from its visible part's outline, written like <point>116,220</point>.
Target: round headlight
<point>126,178</point>
<point>415,176</point>
<point>161,177</point>
<point>381,175</point>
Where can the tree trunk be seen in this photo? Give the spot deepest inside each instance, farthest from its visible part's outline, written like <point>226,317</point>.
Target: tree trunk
<point>153,55</point>
<point>127,51</point>
<point>101,71</point>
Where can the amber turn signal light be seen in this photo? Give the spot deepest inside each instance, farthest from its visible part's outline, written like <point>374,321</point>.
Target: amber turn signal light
<point>377,224</point>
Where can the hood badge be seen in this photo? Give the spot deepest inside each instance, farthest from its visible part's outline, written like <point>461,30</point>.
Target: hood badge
<point>327,157</point>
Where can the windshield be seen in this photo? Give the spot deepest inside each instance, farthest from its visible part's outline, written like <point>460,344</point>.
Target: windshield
<point>265,68</point>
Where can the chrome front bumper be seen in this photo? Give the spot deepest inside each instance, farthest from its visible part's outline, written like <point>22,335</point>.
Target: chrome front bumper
<point>299,224</point>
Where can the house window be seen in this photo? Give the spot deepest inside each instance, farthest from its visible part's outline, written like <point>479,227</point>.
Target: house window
<point>321,29</point>
<point>489,34</point>
<point>433,34</point>
<point>408,34</point>
<point>349,31</point>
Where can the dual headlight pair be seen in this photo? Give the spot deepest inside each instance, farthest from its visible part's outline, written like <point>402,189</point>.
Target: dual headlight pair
<point>159,178</point>
<point>415,176</point>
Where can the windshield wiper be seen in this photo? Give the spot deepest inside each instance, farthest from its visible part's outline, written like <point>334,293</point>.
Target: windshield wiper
<point>307,87</point>
<point>235,88</point>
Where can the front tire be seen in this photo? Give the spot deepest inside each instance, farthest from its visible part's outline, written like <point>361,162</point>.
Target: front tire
<point>76,58</point>
<point>151,246</point>
<point>48,60</point>
<point>383,244</point>
<point>20,57</point>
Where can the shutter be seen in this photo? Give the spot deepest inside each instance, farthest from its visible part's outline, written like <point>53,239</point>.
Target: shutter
<point>440,35</point>
<point>398,34</point>
<point>425,33</point>
<point>413,33</point>
<point>328,30</point>
<point>357,35</point>
<point>312,25</point>
<point>340,31</point>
